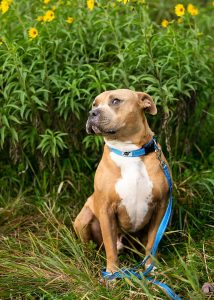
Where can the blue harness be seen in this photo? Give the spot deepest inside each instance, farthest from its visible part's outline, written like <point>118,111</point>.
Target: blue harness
<point>129,273</point>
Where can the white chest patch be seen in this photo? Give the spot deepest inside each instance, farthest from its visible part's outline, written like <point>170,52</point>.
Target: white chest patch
<point>134,187</point>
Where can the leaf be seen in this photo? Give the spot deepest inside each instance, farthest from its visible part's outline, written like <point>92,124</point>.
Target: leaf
<point>14,134</point>
<point>5,121</point>
<point>14,119</point>
<point>2,135</point>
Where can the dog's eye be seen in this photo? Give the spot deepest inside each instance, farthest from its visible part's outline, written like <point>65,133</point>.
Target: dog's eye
<point>115,101</point>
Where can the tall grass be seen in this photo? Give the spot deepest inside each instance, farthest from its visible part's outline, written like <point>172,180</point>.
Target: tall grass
<point>40,257</point>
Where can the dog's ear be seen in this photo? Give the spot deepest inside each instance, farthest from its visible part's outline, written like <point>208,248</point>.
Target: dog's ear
<point>147,103</point>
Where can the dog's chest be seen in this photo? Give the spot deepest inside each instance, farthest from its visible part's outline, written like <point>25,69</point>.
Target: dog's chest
<point>134,188</point>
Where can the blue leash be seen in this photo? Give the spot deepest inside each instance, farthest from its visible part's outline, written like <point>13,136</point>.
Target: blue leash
<point>129,273</point>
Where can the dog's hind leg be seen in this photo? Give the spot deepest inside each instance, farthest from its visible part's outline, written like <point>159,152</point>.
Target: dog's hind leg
<point>86,224</point>
<point>82,223</point>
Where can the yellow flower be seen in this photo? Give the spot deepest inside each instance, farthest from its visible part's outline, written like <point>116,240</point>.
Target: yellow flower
<point>49,16</point>
<point>32,33</point>
<point>4,6</point>
<point>179,10</point>
<point>190,7</point>
<point>124,1</point>
<point>164,23</point>
<point>90,4</point>
<point>53,7</point>
<point>70,20</point>
<point>40,18</point>
<point>180,20</point>
<point>213,3</point>
<point>46,1</point>
<point>192,10</point>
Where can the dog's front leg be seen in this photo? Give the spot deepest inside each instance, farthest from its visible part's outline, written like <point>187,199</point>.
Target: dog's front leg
<point>153,228</point>
<point>108,226</point>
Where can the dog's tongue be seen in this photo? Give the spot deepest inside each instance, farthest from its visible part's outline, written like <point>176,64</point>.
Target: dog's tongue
<point>96,129</point>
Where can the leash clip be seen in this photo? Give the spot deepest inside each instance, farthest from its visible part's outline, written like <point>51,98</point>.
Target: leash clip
<point>159,154</point>
<point>162,164</point>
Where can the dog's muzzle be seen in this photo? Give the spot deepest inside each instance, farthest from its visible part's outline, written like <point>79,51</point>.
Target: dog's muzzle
<point>95,124</point>
<point>92,125</point>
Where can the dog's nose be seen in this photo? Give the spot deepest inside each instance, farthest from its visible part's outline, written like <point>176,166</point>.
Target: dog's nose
<point>94,113</point>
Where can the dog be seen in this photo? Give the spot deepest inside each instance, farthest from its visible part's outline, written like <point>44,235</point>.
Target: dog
<point>130,193</point>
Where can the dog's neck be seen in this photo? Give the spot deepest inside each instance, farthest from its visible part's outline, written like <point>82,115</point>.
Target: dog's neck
<point>136,141</point>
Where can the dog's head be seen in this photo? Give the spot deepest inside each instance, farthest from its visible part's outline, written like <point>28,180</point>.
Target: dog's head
<point>119,113</point>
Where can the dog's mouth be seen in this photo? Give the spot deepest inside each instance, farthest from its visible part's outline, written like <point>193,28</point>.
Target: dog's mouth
<point>95,129</point>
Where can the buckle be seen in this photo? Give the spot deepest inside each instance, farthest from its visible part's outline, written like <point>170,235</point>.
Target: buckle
<point>162,164</point>
<point>127,153</point>
<point>150,148</point>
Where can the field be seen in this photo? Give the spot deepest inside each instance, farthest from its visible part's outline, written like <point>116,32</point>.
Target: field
<point>55,57</point>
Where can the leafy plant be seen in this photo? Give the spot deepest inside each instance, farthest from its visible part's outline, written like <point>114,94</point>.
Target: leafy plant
<point>52,142</point>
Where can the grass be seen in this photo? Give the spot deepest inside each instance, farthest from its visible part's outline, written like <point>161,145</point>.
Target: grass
<point>40,257</point>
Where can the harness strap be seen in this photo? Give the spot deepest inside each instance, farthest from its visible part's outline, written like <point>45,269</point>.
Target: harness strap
<point>128,273</point>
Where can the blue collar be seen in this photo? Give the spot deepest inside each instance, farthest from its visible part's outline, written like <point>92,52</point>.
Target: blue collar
<point>151,146</point>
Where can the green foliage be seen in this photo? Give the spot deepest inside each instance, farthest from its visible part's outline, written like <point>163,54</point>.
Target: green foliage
<point>48,83</point>
<point>52,142</point>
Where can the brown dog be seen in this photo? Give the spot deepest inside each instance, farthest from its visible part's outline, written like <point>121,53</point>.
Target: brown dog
<point>129,192</point>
